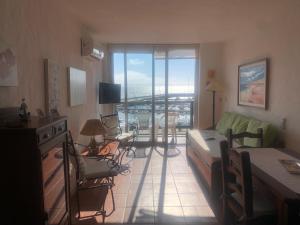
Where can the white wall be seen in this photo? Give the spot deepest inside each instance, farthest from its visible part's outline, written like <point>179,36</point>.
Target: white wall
<point>279,40</point>
<point>40,29</point>
<point>210,55</point>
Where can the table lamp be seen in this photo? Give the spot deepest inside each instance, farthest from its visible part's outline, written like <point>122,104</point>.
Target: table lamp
<point>214,86</point>
<point>91,128</point>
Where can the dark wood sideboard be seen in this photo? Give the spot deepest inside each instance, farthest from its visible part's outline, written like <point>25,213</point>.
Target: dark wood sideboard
<point>34,172</point>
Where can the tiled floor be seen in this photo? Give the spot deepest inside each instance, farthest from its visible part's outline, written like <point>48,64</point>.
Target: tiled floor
<point>160,188</point>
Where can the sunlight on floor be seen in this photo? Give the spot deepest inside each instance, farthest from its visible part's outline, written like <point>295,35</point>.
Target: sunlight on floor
<point>160,188</point>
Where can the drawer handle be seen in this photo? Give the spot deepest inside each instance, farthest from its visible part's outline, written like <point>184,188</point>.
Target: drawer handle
<point>46,136</point>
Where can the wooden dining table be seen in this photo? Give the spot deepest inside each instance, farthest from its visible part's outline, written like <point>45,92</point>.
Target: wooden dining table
<point>268,171</point>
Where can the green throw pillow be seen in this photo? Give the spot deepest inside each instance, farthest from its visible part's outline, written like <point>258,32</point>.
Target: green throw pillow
<point>269,133</point>
<point>240,125</point>
<point>226,122</point>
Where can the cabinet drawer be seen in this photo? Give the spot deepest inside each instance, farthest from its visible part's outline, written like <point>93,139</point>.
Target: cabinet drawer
<point>45,135</point>
<point>59,128</point>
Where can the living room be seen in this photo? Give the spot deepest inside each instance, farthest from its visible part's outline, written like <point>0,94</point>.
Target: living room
<point>225,36</point>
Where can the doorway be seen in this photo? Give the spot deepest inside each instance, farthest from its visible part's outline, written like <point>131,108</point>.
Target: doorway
<point>158,91</point>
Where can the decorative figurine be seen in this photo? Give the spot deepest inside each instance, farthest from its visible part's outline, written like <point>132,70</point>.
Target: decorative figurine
<point>24,115</point>
<point>40,113</point>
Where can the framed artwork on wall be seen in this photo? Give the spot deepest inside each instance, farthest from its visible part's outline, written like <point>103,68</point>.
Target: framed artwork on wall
<point>52,85</point>
<point>77,86</point>
<point>8,65</point>
<point>253,84</point>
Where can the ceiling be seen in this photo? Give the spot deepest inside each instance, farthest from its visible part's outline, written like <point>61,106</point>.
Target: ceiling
<point>177,21</point>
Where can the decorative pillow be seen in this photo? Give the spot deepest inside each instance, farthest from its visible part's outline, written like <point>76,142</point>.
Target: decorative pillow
<point>240,125</point>
<point>269,133</point>
<point>226,122</point>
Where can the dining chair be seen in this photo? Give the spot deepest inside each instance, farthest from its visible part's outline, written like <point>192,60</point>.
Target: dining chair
<point>240,138</point>
<point>91,173</point>
<point>242,205</point>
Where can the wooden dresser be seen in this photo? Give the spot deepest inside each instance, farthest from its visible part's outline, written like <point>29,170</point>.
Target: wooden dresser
<point>34,168</point>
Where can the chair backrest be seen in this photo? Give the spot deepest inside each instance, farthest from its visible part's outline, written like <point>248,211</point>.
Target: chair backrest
<point>258,136</point>
<point>237,184</point>
<point>111,124</point>
<point>143,120</point>
<point>172,119</point>
<point>76,157</point>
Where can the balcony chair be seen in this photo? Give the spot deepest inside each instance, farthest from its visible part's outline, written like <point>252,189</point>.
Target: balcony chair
<point>111,124</point>
<point>172,121</point>
<point>240,137</point>
<point>242,205</point>
<point>91,173</point>
<point>143,121</point>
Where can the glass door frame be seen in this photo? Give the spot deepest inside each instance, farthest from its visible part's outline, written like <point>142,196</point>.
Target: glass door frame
<point>150,48</point>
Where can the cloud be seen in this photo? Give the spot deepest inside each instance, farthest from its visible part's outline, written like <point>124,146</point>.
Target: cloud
<point>136,61</point>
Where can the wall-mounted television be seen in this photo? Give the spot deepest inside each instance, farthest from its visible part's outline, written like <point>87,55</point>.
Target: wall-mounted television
<point>109,93</point>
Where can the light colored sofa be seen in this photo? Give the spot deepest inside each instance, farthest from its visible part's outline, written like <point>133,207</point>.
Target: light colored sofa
<point>203,148</point>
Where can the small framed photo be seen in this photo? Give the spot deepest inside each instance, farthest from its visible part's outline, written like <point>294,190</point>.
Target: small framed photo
<point>253,84</point>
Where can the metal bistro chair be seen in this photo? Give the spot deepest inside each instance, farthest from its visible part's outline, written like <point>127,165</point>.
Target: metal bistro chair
<point>111,124</point>
<point>172,122</point>
<point>242,205</point>
<point>91,173</point>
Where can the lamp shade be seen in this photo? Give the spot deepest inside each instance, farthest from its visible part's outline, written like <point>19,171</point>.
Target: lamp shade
<point>212,83</point>
<point>92,127</point>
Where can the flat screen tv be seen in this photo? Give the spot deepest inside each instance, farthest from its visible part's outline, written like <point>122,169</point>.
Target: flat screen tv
<point>109,93</point>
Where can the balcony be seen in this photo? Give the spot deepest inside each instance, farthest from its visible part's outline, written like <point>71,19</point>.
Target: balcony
<point>139,114</point>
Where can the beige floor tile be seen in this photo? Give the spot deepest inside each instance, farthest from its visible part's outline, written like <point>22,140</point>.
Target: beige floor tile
<point>170,215</point>
<point>184,178</point>
<point>120,201</point>
<point>165,178</point>
<point>139,215</point>
<point>140,199</point>
<point>187,187</point>
<point>193,199</point>
<point>137,194</point>
<point>166,200</point>
<point>137,178</point>
<point>168,188</point>
<point>198,214</point>
<point>116,217</point>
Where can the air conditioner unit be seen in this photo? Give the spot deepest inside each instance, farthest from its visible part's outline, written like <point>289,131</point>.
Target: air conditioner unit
<point>88,48</point>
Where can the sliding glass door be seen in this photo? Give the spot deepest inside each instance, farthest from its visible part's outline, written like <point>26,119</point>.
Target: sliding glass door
<point>157,91</point>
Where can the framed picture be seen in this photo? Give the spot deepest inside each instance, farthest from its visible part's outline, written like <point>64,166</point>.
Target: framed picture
<point>52,73</point>
<point>77,86</point>
<point>253,84</point>
<point>8,65</point>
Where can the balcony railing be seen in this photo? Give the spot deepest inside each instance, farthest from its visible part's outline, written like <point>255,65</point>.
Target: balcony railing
<point>139,111</point>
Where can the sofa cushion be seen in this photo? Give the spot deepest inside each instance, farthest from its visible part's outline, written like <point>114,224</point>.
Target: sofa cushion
<point>226,122</point>
<point>240,125</point>
<point>269,133</point>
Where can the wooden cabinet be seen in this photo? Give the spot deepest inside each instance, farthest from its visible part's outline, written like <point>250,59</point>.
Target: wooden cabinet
<point>34,164</point>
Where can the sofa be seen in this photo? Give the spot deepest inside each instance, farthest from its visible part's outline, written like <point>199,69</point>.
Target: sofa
<point>203,149</point>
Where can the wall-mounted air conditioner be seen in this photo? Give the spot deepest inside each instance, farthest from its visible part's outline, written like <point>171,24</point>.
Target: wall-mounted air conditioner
<point>88,48</point>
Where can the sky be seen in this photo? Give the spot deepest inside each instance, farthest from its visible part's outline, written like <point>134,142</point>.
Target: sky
<point>139,74</point>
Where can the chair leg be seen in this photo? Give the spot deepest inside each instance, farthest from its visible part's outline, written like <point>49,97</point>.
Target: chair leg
<point>78,203</point>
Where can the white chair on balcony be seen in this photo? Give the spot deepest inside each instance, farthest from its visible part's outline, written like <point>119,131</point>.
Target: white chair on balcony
<point>172,121</point>
<point>143,121</point>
